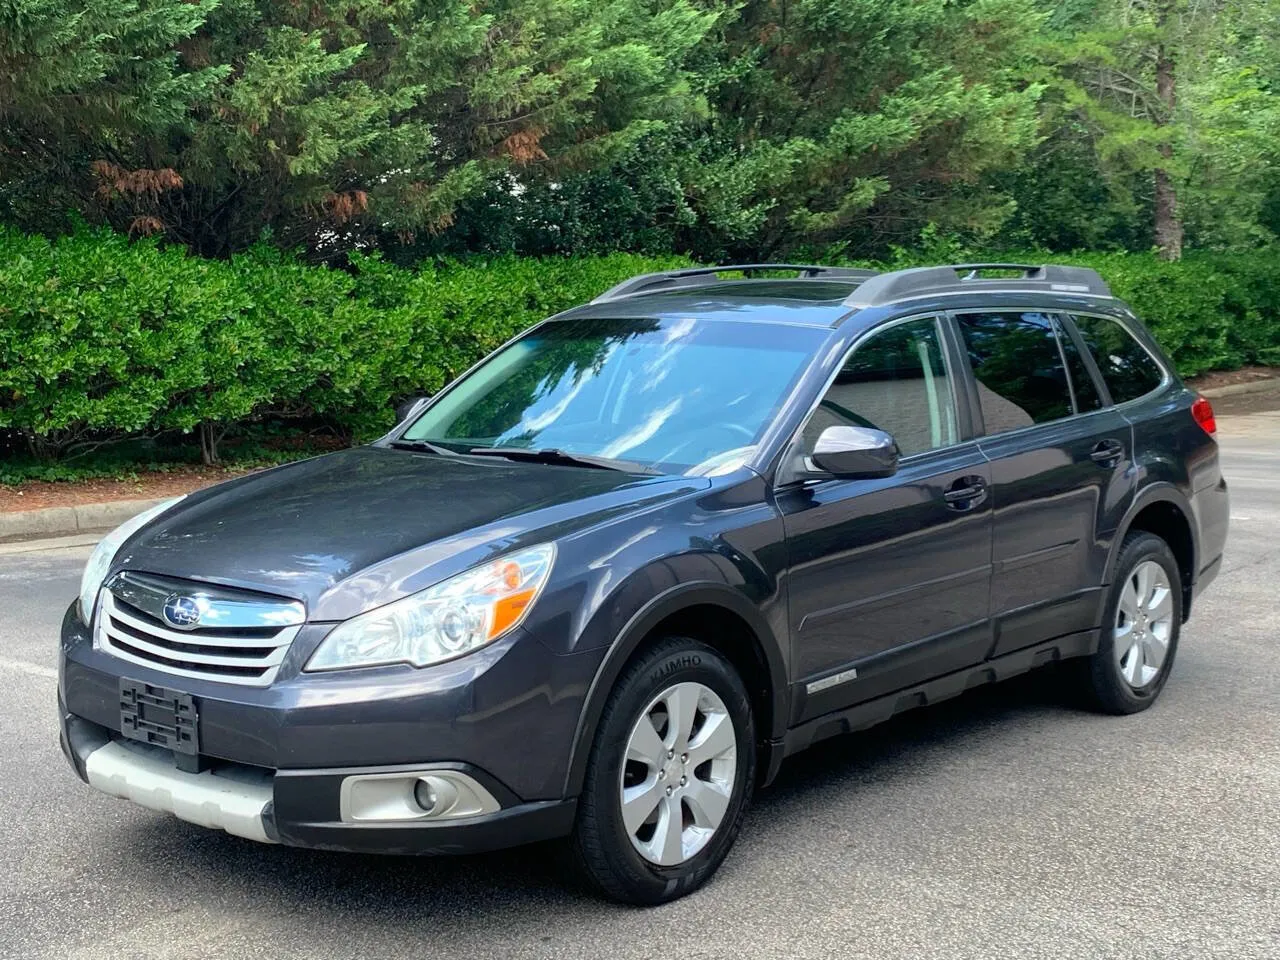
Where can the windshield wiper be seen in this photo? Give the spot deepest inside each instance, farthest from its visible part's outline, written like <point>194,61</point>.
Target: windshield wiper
<point>563,458</point>
<point>422,446</point>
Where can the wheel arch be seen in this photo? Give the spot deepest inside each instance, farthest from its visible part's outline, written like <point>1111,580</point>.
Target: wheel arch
<point>1163,510</point>
<point>748,642</point>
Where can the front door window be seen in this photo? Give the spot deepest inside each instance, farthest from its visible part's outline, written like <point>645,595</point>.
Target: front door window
<point>896,381</point>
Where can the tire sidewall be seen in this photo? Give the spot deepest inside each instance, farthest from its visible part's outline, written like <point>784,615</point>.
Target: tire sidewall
<point>675,661</point>
<point>1111,682</point>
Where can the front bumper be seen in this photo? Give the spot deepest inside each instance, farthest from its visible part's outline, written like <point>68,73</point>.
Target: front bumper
<point>296,807</point>
<point>274,758</point>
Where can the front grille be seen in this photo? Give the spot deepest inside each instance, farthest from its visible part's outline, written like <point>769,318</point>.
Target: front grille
<point>244,655</point>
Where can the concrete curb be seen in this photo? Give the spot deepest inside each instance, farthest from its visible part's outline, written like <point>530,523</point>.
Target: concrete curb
<point>61,521</point>
<point>1238,389</point>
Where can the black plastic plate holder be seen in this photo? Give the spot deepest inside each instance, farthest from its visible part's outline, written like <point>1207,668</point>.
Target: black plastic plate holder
<point>160,717</point>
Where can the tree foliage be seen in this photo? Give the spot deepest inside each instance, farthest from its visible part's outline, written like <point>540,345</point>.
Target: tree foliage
<point>326,122</point>
<point>1183,92</point>
<point>744,130</point>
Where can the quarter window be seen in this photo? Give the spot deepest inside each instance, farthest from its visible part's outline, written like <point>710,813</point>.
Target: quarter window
<point>895,381</point>
<point>1018,365</point>
<point>1130,372</point>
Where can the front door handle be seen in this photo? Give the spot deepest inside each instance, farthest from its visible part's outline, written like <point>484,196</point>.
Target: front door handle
<point>1107,453</point>
<point>966,493</point>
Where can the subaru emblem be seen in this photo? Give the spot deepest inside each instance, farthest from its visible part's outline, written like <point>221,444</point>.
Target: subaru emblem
<point>182,612</point>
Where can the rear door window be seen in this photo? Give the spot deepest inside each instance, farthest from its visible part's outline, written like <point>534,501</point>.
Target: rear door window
<point>1128,369</point>
<point>1018,365</point>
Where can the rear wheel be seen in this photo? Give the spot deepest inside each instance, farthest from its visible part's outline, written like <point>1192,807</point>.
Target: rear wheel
<point>1140,628</point>
<point>669,776</point>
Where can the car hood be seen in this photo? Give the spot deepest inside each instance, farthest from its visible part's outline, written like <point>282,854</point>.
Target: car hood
<point>352,530</point>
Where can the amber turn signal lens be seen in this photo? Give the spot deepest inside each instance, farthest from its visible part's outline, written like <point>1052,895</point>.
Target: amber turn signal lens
<point>508,610</point>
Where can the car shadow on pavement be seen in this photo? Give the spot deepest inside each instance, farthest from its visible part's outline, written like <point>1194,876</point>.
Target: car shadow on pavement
<point>370,895</point>
<point>872,754</point>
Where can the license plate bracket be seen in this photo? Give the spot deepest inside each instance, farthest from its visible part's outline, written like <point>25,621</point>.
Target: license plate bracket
<point>159,716</point>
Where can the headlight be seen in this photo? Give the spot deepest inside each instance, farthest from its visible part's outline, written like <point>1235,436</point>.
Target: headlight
<point>462,614</point>
<point>95,571</point>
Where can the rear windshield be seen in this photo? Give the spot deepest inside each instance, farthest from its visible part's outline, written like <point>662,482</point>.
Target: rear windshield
<point>678,395</point>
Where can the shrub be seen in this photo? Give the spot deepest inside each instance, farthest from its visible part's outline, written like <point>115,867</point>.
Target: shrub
<point>103,338</point>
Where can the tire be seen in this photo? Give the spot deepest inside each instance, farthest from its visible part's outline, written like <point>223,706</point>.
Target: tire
<point>651,864</point>
<point>1126,675</point>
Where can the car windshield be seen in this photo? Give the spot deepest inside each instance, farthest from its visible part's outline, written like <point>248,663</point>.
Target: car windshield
<point>677,395</point>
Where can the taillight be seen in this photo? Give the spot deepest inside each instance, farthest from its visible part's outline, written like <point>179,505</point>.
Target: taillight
<point>1202,410</point>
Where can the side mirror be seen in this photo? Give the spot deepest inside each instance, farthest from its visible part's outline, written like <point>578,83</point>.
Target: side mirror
<point>409,407</point>
<point>856,452</point>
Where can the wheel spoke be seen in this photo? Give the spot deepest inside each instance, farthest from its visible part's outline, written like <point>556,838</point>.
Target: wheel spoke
<point>715,738</point>
<point>1153,650</point>
<point>1125,638</point>
<point>646,746</point>
<point>1129,601</point>
<point>1161,605</point>
<point>638,803</point>
<point>707,802</point>
<point>682,705</point>
<point>1143,578</point>
<point>1133,669</point>
<point>667,838</point>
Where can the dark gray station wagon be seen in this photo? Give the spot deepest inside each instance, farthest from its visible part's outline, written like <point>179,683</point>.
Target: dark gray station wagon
<point>603,584</point>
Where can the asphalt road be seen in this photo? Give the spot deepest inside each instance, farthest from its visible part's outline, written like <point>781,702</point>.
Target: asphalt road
<point>1004,824</point>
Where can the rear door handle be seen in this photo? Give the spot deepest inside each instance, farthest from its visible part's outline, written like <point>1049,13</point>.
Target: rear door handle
<point>1107,453</point>
<point>966,493</point>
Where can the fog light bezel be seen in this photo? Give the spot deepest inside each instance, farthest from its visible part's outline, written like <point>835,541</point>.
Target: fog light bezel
<point>393,797</point>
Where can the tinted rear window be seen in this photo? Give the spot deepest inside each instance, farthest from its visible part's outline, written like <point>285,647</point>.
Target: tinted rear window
<point>1016,360</point>
<point>1129,371</point>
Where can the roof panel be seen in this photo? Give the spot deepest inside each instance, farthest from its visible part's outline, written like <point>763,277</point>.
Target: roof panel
<point>818,303</point>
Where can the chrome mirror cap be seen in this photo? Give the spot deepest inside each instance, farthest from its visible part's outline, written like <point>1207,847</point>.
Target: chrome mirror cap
<point>856,452</point>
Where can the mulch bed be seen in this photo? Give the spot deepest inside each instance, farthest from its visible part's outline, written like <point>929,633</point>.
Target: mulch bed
<point>38,494</point>
<point>1226,378</point>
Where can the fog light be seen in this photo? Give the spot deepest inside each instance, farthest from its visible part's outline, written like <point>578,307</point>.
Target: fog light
<point>425,797</point>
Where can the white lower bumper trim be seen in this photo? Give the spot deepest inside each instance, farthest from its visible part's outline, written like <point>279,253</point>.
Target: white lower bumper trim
<point>231,803</point>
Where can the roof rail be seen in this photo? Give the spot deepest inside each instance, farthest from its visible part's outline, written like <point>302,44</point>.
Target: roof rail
<point>704,276</point>
<point>964,278</point>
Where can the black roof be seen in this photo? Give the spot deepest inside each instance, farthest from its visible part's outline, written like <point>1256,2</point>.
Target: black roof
<point>822,296</point>
<point>899,285</point>
<point>804,302</point>
<point>667,280</point>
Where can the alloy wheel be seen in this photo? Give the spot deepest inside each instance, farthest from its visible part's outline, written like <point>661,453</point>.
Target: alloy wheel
<point>1144,624</point>
<point>678,773</point>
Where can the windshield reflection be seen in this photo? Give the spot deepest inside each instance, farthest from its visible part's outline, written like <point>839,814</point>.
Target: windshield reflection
<point>667,394</point>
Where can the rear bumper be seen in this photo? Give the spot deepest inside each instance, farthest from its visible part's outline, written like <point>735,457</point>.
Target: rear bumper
<point>1212,509</point>
<point>295,807</point>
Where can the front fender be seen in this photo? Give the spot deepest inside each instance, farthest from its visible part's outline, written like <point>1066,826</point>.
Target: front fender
<point>681,596</point>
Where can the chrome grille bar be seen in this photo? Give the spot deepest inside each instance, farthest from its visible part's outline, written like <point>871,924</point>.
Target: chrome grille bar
<point>242,655</point>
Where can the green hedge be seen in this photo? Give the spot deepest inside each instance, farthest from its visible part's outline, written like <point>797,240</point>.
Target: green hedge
<point>101,337</point>
<point>1210,311</point>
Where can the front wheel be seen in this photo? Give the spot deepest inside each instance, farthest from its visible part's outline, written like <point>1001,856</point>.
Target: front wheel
<point>669,776</point>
